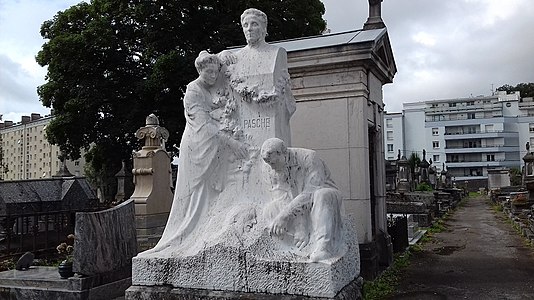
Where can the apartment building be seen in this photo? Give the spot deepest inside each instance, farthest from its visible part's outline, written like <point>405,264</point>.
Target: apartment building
<point>26,152</point>
<point>470,135</point>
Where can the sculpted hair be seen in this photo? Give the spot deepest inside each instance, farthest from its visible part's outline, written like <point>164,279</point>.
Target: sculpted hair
<point>205,58</point>
<point>274,144</point>
<point>257,13</point>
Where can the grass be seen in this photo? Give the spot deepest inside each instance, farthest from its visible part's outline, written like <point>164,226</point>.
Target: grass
<point>385,284</point>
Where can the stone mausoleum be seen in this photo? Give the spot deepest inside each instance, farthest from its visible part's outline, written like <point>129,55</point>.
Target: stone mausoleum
<point>337,82</point>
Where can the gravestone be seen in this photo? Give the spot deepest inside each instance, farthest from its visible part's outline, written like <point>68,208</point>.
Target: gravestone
<point>104,244</point>
<point>105,241</point>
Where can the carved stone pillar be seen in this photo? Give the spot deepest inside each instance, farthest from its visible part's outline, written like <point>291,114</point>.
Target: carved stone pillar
<point>152,195</point>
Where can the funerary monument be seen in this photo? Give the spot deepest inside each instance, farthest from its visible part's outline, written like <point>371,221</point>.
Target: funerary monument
<point>250,213</point>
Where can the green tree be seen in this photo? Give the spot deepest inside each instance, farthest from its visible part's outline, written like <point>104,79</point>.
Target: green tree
<point>113,62</point>
<point>414,160</point>
<point>515,176</point>
<point>525,89</point>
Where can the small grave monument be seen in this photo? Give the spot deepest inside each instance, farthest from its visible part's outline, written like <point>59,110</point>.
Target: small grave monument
<point>152,179</point>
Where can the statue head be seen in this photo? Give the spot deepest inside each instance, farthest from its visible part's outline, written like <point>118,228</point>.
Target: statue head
<point>208,66</point>
<point>274,152</point>
<point>254,25</point>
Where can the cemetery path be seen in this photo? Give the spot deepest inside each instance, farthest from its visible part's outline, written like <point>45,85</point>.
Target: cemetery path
<point>478,256</point>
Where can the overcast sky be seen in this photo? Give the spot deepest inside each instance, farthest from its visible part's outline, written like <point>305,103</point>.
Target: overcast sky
<point>443,49</point>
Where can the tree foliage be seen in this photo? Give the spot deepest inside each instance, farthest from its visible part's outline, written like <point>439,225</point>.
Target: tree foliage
<point>113,62</point>
<point>525,89</point>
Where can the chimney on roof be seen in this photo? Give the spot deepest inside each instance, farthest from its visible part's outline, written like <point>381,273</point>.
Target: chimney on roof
<point>374,21</point>
<point>8,124</point>
<point>25,119</point>
<point>35,116</point>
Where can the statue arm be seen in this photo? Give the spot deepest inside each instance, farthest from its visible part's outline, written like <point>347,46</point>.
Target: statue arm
<point>199,118</point>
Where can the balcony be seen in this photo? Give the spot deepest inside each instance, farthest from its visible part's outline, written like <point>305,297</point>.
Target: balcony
<point>486,149</point>
<point>482,164</point>
<point>480,135</point>
<point>463,108</point>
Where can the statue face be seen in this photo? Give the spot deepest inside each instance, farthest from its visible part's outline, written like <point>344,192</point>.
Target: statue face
<point>273,157</point>
<point>253,29</point>
<point>209,74</point>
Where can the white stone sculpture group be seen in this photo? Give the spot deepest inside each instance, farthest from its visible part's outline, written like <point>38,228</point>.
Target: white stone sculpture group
<point>241,193</point>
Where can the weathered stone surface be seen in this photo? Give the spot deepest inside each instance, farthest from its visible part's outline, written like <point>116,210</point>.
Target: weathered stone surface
<point>406,207</point>
<point>105,240</point>
<point>45,283</point>
<point>352,291</point>
<point>246,219</point>
<point>245,270</point>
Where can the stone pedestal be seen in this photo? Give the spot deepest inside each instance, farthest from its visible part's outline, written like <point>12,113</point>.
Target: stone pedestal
<point>265,104</point>
<point>152,179</point>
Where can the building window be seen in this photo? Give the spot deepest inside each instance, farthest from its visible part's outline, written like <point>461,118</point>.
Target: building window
<point>435,131</point>
<point>390,147</point>
<point>389,123</point>
<point>435,144</point>
<point>471,115</point>
<point>389,135</point>
<point>470,103</point>
<point>490,157</point>
<point>531,127</point>
<point>452,104</point>
<point>76,163</point>
<point>435,158</point>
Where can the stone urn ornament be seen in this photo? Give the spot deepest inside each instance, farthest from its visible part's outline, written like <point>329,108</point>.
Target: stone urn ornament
<point>66,249</point>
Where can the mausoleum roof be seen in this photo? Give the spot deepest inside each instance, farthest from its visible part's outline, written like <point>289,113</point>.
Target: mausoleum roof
<point>334,39</point>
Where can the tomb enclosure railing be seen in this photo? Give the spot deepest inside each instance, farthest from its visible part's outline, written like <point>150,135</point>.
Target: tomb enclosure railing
<point>37,232</point>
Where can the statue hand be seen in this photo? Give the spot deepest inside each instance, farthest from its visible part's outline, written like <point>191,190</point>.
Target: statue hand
<point>279,225</point>
<point>240,149</point>
<point>227,57</point>
<point>301,238</point>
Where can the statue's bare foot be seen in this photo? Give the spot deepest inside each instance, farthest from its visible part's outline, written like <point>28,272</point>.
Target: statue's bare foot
<point>320,253</point>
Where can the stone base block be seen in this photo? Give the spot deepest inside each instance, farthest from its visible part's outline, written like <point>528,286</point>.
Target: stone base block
<point>149,229</point>
<point>45,283</point>
<point>231,269</point>
<point>352,291</point>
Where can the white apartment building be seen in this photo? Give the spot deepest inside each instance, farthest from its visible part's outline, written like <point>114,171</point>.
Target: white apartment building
<point>27,153</point>
<point>469,135</point>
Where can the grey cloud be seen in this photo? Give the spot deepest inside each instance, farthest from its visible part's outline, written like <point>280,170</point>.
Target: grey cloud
<point>15,86</point>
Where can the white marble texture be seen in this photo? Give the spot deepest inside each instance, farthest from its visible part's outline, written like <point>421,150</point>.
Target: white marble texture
<point>226,230</point>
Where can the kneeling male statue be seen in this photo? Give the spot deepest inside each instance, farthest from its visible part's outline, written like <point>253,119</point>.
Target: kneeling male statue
<point>306,203</point>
